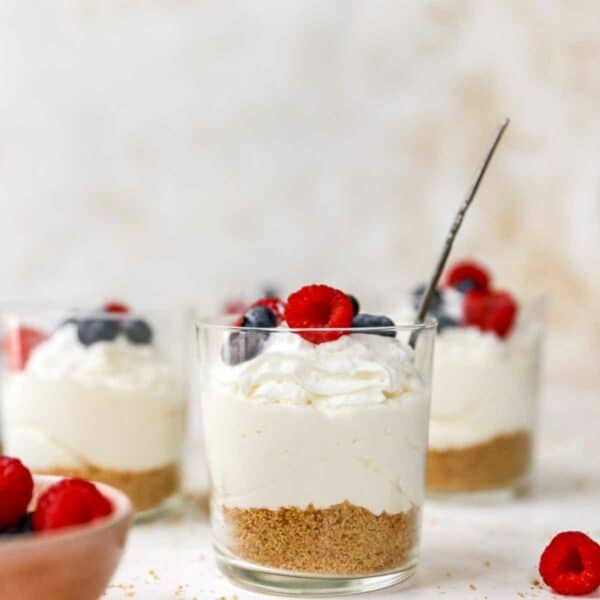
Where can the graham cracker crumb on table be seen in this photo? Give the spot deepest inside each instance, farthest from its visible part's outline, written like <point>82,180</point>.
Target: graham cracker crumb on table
<point>472,587</point>
<point>487,563</point>
<point>146,489</point>
<point>342,539</point>
<point>490,465</point>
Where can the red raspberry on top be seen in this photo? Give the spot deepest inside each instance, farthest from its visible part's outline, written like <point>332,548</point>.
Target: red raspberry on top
<point>69,502</point>
<point>467,275</point>
<point>16,489</point>
<point>116,307</point>
<point>570,564</point>
<point>490,311</point>
<point>319,306</point>
<point>18,343</point>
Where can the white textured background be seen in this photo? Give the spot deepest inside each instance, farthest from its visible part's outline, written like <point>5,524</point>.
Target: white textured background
<point>180,151</point>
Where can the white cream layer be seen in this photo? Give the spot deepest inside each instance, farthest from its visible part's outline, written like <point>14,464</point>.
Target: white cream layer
<point>111,405</point>
<point>484,386</point>
<point>319,424</point>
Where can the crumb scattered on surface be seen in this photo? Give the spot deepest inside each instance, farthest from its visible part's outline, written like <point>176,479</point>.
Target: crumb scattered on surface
<point>487,563</point>
<point>536,583</point>
<point>472,587</point>
<point>153,574</point>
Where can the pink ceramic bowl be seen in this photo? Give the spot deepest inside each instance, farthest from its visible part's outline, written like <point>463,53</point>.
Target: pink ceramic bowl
<point>75,563</point>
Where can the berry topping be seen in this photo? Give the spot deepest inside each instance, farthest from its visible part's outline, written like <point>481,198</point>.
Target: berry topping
<point>69,502</point>
<point>355,304</point>
<point>436,302</point>
<point>243,345</point>
<point>275,305</point>
<point>490,311</point>
<point>18,344</point>
<point>16,489</point>
<point>364,320</point>
<point>259,317</point>
<point>137,331</point>
<point>90,331</point>
<point>234,307</point>
<point>466,276</point>
<point>319,306</point>
<point>116,307</point>
<point>570,564</point>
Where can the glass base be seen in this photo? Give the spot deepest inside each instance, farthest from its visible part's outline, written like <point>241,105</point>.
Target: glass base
<point>257,578</point>
<point>518,489</point>
<point>170,506</point>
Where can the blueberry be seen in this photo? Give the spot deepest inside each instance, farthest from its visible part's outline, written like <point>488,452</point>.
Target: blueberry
<point>137,331</point>
<point>437,301</point>
<point>446,322</point>
<point>259,317</point>
<point>243,345</point>
<point>90,331</point>
<point>364,320</point>
<point>466,285</point>
<point>355,304</point>
<point>23,526</point>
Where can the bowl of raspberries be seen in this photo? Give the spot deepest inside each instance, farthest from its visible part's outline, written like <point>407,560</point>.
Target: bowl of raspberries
<point>59,538</point>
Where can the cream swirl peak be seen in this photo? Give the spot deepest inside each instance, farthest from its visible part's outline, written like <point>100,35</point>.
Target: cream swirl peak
<point>357,369</point>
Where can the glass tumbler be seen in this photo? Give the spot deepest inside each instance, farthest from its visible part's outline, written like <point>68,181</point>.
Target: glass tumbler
<point>98,395</point>
<point>484,408</point>
<point>316,443</point>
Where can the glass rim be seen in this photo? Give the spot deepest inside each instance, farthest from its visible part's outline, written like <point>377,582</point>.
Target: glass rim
<point>217,323</point>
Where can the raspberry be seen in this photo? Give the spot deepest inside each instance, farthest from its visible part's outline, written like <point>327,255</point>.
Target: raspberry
<point>16,489</point>
<point>69,502</point>
<point>319,306</point>
<point>570,564</point>
<point>234,307</point>
<point>116,307</point>
<point>18,343</point>
<point>490,311</point>
<point>466,276</point>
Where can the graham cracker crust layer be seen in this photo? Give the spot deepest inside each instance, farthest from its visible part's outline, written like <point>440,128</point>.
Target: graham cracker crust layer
<point>146,489</point>
<point>343,539</point>
<point>487,466</point>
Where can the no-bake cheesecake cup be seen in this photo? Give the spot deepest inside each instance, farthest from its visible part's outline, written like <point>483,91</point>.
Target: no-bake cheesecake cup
<point>484,409</point>
<point>97,395</point>
<point>316,454</point>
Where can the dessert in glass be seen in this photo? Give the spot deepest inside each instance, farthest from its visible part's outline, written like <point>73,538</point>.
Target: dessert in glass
<point>316,420</point>
<point>485,387</point>
<point>97,395</point>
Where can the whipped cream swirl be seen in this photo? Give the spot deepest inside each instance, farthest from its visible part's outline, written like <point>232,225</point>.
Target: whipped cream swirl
<point>354,370</point>
<point>118,363</point>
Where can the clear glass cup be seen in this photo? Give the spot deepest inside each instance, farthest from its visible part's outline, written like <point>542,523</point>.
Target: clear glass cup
<point>97,395</point>
<point>316,454</point>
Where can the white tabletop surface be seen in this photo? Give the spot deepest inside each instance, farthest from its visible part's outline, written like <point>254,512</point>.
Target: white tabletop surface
<point>474,552</point>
